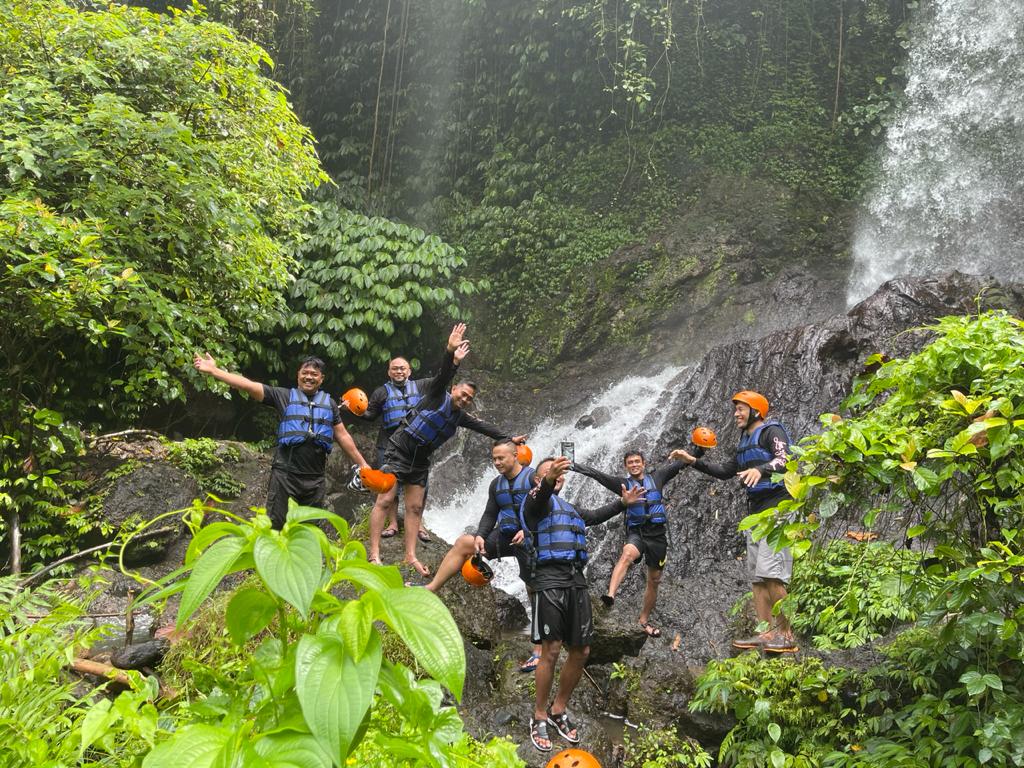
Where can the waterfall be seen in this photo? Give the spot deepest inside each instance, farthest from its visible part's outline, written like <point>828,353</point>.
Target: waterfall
<point>951,187</point>
<point>638,407</point>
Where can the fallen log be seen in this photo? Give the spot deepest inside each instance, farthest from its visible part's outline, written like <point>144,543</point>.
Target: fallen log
<point>99,669</point>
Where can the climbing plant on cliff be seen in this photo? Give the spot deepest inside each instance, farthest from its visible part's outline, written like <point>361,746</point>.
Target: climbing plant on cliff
<point>150,177</point>
<point>932,446</point>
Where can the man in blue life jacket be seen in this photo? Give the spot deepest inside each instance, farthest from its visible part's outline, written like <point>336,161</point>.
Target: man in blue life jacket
<point>763,450</point>
<point>561,600</point>
<point>426,428</point>
<point>498,534</point>
<point>646,520</point>
<point>391,402</point>
<point>310,425</point>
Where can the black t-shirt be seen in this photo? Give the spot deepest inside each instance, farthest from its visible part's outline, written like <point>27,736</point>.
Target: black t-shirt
<point>306,459</point>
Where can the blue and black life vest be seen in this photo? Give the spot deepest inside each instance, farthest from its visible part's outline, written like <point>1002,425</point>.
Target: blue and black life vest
<point>510,497</point>
<point>306,419</point>
<point>651,509</point>
<point>561,534</point>
<point>399,403</point>
<point>750,454</point>
<point>430,427</point>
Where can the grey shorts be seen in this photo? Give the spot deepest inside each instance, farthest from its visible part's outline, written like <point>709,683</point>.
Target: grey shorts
<point>764,563</point>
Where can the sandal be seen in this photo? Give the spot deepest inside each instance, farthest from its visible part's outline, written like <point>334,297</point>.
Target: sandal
<point>420,568</point>
<point>530,665</point>
<point>423,536</point>
<point>565,727</point>
<point>538,734</point>
<point>374,560</point>
<point>388,532</point>
<point>649,630</point>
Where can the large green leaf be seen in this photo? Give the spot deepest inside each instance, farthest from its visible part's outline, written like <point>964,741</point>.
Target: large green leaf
<point>368,576</point>
<point>300,514</point>
<point>212,566</point>
<point>195,746</point>
<point>248,613</point>
<point>291,565</point>
<point>424,623</point>
<point>293,750</point>
<point>334,690</point>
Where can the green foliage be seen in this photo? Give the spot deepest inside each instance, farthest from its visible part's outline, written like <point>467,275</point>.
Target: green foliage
<point>846,594</point>
<point>204,459</point>
<point>651,748</point>
<point>789,715</point>
<point>149,178</point>
<point>305,657</point>
<point>367,285</point>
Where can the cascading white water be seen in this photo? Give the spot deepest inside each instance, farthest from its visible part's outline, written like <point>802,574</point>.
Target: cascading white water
<point>635,423</point>
<point>951,191</point>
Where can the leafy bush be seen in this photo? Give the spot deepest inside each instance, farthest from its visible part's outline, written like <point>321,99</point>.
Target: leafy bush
<point>846,594</point>
<point>204,459</point>
<point>366,285</point>
<point>650,748</point>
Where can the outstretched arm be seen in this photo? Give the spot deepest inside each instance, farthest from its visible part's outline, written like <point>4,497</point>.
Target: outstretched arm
<point>348,445</point>
<point>611,483</point>
<point>206,364</point>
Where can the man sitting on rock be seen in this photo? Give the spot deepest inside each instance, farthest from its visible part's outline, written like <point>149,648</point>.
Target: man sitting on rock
<point>310,425</point>
<point>763,450</point>
<point>561,599</point>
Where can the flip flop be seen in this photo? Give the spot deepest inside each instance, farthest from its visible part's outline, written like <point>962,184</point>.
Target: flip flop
<point>423,536</point>
<point>388,532</point>
<point>419,567</point>
<point>538,733</point>
<point>649,630</point>
<point>530,665</point>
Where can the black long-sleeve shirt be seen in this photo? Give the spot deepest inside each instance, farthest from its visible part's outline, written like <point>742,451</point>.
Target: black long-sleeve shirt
<point>559,575</point>
<point>434,391</point>
<point>614,484</point>
<point>773,439</point>
<point>375,407</point>
<point>489,518</point>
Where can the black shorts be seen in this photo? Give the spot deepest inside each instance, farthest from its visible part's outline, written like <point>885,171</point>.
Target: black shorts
<point>652,542</point>
<point>308,491</point>
<point>381,450</point>
<point>563,614</point>
<point>405,469</point>
<point>498,545</point>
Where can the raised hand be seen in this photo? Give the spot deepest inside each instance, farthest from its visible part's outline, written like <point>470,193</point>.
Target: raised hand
<point>558,468</point>
<point>633,495</point>
<point>461,351</point>
<point>519,439</point>
<point>455,337</point>
<point>204,363</point>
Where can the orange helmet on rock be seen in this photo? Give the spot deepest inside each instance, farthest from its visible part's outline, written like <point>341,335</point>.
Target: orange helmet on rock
<point>573,758</point>
<point>523,454</point>
<point>703,437</point>
<point>376,481</point>
<point>755,400</point>
<point>356,401</point>
<point>476,572</point>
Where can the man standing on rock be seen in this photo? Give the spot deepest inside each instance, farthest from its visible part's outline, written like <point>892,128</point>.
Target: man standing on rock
<point>646,520</point>
<point>561,599</point>
<point>763,450</point>
<point>310,425</point>
<point>425,429</point>
<point>499,533</point>
<point>391,402</point>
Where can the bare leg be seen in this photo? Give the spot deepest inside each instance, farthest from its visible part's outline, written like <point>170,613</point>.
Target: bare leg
<point>776,592</point>
<point>383,502</point>
<point>463,547</point>
<point>572,671</point>
<point>650,593</point>
<point>414,495</point>
<point>629,555</point>
<point>762,601</point>
<point>545,676</point>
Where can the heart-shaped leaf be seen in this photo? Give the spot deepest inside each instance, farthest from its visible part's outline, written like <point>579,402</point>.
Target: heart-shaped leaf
<point>291,565</point>
<point>248,613</point>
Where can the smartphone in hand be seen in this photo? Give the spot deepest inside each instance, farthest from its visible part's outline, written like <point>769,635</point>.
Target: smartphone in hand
<point>569,451</point>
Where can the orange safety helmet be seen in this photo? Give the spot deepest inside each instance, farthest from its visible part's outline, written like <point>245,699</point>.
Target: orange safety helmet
<point>356,401</point>
<point>376,481</point>
<point>523,454</point>
<point>755,400</point>
<point>703,437</point>
<point>573,758</point>
<point>476,571</point>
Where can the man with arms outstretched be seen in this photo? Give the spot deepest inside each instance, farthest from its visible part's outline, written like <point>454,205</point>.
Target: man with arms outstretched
<point>561,599</point>
<point>310,425</point>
